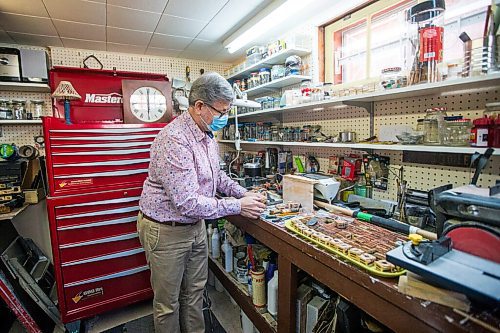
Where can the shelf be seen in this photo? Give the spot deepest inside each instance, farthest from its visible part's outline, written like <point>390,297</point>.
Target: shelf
<point>276,84</point>
<point>19,122</point>
<point>363,146</point>
<point>28,87</point>
<point>14,212</point>
<point>275,59</point>
<point>263,322</point>
<point>453,86</point>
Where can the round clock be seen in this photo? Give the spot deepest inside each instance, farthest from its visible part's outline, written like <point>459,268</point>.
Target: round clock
<point>148,104</point>
<point>146,101</point>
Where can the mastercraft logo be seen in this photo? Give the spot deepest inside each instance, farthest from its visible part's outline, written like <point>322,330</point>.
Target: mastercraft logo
<point>112,98</point>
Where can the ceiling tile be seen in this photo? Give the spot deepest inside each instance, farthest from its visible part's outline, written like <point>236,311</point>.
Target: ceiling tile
<point>156,6</point>
<point>202,10</point>
<point>131,37</point>
<point>5,38</point>
<point>208,48</point>
<point>234,14</point>
<point>77,10</point>
<point>26,7</point>
<point>169,42</point>
<point>27,24</point>
<point>80,30</point>
<point>163,52</point>
<point>179,26</point>
<point>84,44</point>
<point>38,40</point>
<point>121,17</point>
<point>115,47</point>
<point>224,56</point>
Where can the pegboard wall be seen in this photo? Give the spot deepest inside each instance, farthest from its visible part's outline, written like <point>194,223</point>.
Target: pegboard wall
<point>172,67</point>
<point>395,112</point>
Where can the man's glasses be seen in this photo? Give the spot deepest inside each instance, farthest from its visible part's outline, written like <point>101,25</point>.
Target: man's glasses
<point>220,112</point>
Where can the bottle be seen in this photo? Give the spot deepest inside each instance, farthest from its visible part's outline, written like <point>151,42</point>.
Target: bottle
<point>272,295</point>
<point>228,251</point>
<point>210,232</point>
<point>215,244</point>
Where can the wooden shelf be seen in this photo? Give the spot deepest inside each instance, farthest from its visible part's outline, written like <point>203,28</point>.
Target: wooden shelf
<point>14,212</point>
<point>276,84</point>
<point>365,146</point>
<point>20,122</point>
<point>27,87</point>
<point>263,322</point>
<point>444,87</point>
<point>276,59</point>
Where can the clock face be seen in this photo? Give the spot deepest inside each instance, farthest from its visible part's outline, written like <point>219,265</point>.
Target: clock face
<point>148,104</point>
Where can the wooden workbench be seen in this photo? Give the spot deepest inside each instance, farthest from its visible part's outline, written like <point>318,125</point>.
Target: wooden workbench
<point>376,296</point>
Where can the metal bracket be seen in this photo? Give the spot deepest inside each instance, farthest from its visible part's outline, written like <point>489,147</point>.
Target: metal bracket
<point>369,107</point>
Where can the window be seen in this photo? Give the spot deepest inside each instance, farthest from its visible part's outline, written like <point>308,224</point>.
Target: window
<point>359,46</point>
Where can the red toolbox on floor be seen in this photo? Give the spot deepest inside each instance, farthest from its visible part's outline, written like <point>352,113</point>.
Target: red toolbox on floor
<point>95,175</point>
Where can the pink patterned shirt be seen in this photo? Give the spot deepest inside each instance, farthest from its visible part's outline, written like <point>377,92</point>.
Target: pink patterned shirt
<point>184,176</point>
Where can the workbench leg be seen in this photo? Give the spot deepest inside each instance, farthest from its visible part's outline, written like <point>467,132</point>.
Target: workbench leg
<point>287,295</point>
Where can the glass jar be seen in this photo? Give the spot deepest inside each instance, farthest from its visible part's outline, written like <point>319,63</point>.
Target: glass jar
<point>19,109</point>
<point>252,131</point>
<point>277,72</point>
<point>260,131</point>
<point>457,132</point>
<point>434,125</point>
<point>5,110</point>
<point>265,75</point>
<point>36,108</point>
<point>392,78</point>
<point>254,80</point>
<point>275,135</point>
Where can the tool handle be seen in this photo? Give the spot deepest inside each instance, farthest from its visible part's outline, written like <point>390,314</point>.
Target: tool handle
<point>427,234</point>
<point>338,209</point>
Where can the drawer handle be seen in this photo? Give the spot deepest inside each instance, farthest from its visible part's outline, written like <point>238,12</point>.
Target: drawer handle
<point>127,253</point>
<point>99,224</point>
<point>105,145</point>
<point>102,202</point>
<point>104,174</point>
<point>108,130</point>
<point>104,163</point>
<point>104,138</point>
<point>126,152</point>
<point>100,213</point>
<point>127,272</point>
<point>101,241</point>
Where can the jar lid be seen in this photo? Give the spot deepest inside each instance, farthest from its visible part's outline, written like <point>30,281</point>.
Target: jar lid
<point>391,69</point>
<point>483,121</point>
<point>20,101</point>
<point>459,120</point>
<point>37,101</point>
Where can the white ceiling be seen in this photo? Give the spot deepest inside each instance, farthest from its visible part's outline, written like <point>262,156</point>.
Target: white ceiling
<point>178,28</point>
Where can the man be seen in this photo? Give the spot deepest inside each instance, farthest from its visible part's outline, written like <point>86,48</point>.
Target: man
<point>178,194</point>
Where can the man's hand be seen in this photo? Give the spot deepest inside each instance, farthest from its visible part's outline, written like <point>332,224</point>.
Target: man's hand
<point>259,196</point>
<point>251,206</point>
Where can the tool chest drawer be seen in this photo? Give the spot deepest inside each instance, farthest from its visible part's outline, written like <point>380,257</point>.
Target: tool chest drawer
<point>89,158</point>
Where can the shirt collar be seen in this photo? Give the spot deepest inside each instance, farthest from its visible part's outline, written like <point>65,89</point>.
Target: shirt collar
<point>195,129</point>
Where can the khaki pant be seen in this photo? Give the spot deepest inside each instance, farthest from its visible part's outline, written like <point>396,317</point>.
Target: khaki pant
<point>177,257</point>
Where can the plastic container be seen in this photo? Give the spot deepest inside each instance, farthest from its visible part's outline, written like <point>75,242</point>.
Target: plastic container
<point>228,255</point>
<point>5,110</point>
<point>277,72</point>
<point>457,132</point>
<point>215,244</point>
<point>264,75</point>
<point>434,126</point>
<point>254,80</point>
<point>36,108</point>
<point>272,295</point>
<point>210,232</point>
<point>393,77</point>
<point>253,59</point>
<point>482,134</point>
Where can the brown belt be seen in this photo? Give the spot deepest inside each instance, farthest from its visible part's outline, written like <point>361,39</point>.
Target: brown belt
<point>173,224</point>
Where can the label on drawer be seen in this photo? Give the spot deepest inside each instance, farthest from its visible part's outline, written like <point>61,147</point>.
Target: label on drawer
<point>86,294</point>
<point>76,182</point>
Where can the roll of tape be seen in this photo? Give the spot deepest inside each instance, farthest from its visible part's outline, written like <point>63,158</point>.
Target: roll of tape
<point>28,152</point>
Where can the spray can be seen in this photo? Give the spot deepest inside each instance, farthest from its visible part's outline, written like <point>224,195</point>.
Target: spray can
<point>228,253</point>
<point>215,244</point>
<point>210,232</point>
<point>259,288</point>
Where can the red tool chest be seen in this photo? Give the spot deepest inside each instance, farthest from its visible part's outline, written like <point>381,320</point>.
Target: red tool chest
<point>95,174</point>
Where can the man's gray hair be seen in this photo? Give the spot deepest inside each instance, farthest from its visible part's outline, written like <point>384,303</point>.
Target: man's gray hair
<point>211,88</point>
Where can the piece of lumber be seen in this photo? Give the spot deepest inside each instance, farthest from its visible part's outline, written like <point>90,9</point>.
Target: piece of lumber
<point>412,285</point>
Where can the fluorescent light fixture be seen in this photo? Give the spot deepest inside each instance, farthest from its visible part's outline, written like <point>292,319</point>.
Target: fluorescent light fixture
<point>272,20</point>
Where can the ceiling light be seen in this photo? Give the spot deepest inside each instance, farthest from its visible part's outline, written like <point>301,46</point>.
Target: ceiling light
<point>272,20</point>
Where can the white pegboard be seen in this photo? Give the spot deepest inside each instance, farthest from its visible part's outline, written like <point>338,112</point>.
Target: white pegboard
<point>172,67</point>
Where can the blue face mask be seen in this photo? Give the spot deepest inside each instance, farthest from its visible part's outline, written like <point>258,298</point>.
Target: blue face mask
<point>217,123</point>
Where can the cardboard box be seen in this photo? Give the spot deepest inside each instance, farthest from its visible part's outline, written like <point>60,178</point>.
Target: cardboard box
<point>304,295</point>
<point>32,183</point>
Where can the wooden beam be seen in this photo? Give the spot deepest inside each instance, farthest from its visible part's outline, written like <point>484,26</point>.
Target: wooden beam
<point>287,295</point>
